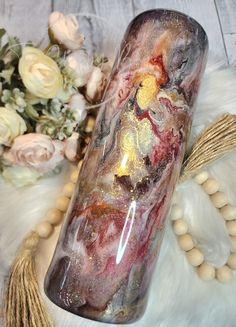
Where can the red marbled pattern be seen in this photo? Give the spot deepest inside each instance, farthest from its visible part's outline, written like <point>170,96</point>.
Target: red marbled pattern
<point>108,247</point>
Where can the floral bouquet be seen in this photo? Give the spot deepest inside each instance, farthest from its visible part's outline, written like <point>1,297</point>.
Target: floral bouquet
<point>46,96</point>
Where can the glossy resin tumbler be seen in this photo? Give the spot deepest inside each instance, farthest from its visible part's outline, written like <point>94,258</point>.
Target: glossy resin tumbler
<point>109,243</point>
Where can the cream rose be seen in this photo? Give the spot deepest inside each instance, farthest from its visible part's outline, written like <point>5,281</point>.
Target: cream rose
<point>37,151</point>
<point>11,125</point>
<point>65,30</point>
<point>40,74</point>
<point>20,176</point>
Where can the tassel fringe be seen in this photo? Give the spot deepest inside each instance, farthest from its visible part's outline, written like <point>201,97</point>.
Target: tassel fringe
<point>215,141</point>
<point>24,306</point>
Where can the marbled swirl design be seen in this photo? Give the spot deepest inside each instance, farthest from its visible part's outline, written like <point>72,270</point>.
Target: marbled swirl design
<point>108,246</point>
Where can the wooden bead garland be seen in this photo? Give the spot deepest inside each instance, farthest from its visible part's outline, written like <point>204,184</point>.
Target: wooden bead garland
<point>232,261</point>
<point>54,216</point>
<point>68,189</point>
<point>233,243</point>
<point>210,186</point>
<point>176,212</point>
<point>206,272</point>
<point>194,256</point>
<point>44,229</point>
<point>180,227</point>
<point>201,177</point>
<point>224,274</point>
<point>228,212</point>
<point>219,199</point>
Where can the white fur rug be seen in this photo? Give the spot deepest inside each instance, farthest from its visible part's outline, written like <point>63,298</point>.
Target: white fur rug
<point>178,298</point>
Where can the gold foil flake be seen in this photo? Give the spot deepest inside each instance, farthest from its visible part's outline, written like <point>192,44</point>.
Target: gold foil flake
<point>147,91</point>
<point>134,141</point>
<point>127,141</point>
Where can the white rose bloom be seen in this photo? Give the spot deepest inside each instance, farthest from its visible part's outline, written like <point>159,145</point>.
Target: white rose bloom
<point>20,176</point>
<point>11,125</point>
<point>40,73</point>
<point>77,105</point>
<point>81,65</point>
<point>65,30</point>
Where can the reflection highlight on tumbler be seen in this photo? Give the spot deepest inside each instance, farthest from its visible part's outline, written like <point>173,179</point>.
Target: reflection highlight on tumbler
<point>129,220</point>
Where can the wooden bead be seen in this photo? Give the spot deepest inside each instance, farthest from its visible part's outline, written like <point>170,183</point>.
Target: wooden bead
<point>224,274</point>
<point>232,261</point>
<point>54,216</point>
<point>201,177</point>
<point>185,242</point>
<point>210,186</point>
<point>195,257</point>
<point>176,212</point>
<point>44,229</point>
<point>233,243</point>
<point>62,203</point>
<point>206,272</point>
<point>74,176</point>
<point>231,227</point>
<point>228,212</point>
<point>180,227</point>
<point>219,199</point>
<point>68,189</point>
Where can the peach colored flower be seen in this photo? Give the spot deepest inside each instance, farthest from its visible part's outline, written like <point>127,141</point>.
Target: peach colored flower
<point>71,146</point>
<point>96,84</point>
<point>36,151</point>
<point>64,29</point>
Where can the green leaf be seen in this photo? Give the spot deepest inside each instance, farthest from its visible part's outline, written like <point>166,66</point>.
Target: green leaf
<point>6,74</point>
<point>2,32</point>
<point>3,51</point>
<point>31,112</point>
<point>29,44</point>
<point>14,47</point>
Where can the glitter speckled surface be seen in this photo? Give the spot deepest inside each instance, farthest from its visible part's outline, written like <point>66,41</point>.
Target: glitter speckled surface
<point>107,250</point>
